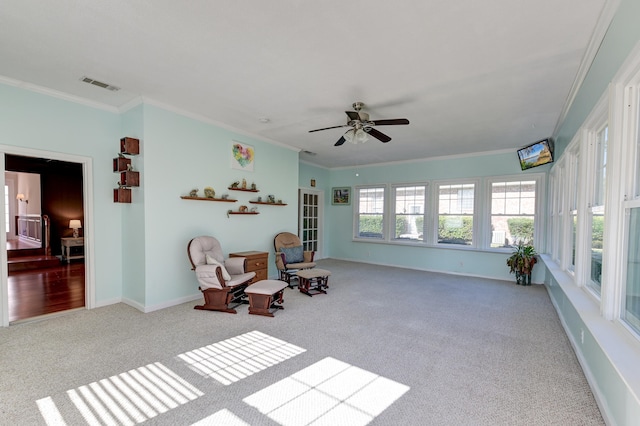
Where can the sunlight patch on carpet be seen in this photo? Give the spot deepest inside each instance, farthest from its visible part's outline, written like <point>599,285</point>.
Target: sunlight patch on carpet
<point>126,399</point>
<point>233,359</point>
<point>328,392</point>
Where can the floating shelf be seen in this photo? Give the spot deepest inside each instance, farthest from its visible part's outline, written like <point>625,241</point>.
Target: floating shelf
<point>224,200</point>
<point>268,204</point>
<point>244,189</point>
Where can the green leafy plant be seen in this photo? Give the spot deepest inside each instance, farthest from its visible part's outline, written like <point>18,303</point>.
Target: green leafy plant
<point>521,262</point>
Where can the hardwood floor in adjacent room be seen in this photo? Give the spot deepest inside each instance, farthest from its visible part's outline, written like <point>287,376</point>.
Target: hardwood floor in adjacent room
<point>44,291</point>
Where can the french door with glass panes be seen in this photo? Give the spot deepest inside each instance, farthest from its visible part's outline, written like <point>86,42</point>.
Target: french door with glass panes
<point>310,220</point>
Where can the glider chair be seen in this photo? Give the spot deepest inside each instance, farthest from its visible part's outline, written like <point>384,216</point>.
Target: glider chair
<point>290,257</point>
<point>222,281</point>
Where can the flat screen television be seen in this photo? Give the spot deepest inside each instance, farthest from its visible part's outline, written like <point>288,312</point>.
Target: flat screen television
<point>536,154</point>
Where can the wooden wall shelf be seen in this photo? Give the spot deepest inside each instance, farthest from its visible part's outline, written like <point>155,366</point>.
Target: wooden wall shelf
<point>130,146</point>
<point>268,204</point>
<point>244,189</point>
<point>122,195</point>
<point>224,200</point>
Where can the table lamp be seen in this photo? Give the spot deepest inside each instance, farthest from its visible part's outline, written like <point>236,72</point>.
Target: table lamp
<point>75,224</point>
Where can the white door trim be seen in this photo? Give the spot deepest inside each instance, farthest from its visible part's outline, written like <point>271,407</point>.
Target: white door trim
<point>87,185</point>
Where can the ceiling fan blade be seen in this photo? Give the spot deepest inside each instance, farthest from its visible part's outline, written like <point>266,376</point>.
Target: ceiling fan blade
<point>340,141</point>
<point>352,115</point>
<point>378,135</point>
<point>390,122</point>
<point>327,128</point>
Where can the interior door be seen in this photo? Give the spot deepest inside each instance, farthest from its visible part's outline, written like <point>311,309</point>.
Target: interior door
<point>310,204</point>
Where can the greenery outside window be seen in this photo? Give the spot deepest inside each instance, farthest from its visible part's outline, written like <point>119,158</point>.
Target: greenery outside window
<point>370,215</point>
<point>409,212</point>
<point>456,203</point>
<point>513,208</point>
<point>631,311</point>
<point>597,209</point>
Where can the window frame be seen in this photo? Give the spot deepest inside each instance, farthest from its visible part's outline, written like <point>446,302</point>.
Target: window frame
<point>425,213</point>
<point>356,213</point>
<point>476,216</point>
<point>539,217</point>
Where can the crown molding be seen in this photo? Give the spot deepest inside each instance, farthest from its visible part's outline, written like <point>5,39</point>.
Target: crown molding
<point>56,94</point>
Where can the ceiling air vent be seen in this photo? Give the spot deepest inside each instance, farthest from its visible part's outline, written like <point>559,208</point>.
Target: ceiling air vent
<point>99,84</point>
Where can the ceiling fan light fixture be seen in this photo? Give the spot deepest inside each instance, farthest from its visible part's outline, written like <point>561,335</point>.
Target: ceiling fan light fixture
<point>356,136</point>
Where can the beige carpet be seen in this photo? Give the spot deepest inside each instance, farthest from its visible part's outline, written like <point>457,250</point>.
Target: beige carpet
<point>385,346</point>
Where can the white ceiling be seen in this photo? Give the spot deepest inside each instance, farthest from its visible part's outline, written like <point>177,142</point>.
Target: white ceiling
<point>471,76</point>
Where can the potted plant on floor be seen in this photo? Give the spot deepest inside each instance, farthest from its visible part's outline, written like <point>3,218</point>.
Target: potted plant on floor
<point>521,262</point>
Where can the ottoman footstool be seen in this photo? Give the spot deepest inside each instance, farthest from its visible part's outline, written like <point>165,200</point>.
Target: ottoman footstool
<point>313,281</point>
<point>264,295</point>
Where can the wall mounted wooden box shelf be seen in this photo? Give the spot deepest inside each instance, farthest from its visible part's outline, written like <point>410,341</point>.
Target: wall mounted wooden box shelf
<point>130,178</point>
<point>121,164</point>
<point>124,166</point>
<point>130,146</point>
<point>225,200</point>
<point>122,195</point>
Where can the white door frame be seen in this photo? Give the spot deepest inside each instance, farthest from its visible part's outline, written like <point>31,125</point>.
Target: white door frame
<point>320,252</point>
<point>87,189</point>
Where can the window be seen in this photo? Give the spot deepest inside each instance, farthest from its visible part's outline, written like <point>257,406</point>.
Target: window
<point>409,212</point>
<point>513,208</point>
<point>455,213</point>
<point>631,312</point>
<point>573,206</point>
<point>597,208</point>
<point>370,215</point>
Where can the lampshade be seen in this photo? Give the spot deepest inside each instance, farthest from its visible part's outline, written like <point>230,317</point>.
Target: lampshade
<point>20,197</point>
<point>75,224</point>
<point>356,136</point>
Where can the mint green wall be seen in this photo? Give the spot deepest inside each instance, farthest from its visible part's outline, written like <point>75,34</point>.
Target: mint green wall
<point>140,248</point>
<point>132,217</point>
<point>620,405</point>
<point>467,262</point>
<point>180,154</point>
<point>621,37</point>
<point>35,121</point>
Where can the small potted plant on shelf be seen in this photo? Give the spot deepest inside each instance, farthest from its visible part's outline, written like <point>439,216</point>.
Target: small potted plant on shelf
<point>521,262</point>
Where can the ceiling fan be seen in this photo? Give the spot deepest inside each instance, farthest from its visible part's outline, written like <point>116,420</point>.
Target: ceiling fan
<point>361,126</point>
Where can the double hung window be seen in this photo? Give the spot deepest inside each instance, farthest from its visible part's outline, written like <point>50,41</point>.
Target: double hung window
<point>370,215</point>
<point>513,209</point>
<point>409,212</point>
<point>456,206</point>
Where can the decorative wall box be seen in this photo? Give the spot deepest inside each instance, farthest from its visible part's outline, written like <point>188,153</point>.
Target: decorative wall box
<point>122,195</point>
<point>130,178</point>
<point>121,164</point>
<point>130,146</point>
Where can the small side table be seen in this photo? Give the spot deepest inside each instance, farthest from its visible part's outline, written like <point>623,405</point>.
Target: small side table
<point>67,243</point>
<point>257,261</point>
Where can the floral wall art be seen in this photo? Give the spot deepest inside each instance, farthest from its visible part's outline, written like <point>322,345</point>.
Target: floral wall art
<point>242,156</point>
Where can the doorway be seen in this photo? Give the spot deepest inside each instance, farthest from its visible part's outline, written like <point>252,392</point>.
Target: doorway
<point>35,280</point>
<point>310,204</point>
